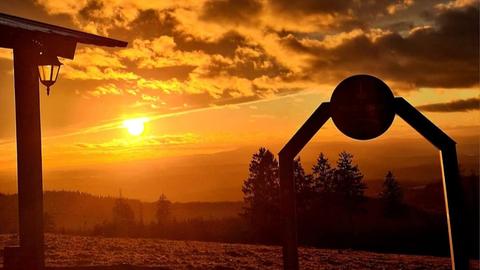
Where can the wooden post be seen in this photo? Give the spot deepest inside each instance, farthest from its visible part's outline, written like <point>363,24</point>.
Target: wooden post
<point>287,183</point>
<point>287,195</point>
<point>29,158</point>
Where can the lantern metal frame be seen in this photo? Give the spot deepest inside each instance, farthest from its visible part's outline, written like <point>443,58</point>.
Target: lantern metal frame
<point>48,70</point>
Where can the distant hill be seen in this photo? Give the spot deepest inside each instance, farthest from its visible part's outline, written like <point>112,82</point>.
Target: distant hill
<point>81,211</point>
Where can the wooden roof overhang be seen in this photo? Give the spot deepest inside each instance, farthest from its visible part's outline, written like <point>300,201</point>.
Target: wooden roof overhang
<point>18,32</point>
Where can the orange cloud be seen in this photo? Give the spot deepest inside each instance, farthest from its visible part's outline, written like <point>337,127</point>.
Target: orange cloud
<point>190,54</point>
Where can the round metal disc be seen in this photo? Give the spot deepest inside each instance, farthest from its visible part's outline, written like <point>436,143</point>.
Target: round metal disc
<point>362,107</point>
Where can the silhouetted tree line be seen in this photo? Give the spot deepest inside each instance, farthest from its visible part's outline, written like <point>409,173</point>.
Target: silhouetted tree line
<point>342,186</point>
<point>125,224</point>
<point>332,210</point>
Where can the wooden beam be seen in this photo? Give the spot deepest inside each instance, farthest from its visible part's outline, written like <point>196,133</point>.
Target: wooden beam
<point>287,182</point>
<point>306,131</point>
<point>29,158</point>
<point>289,215</point>
<point>59,46</point>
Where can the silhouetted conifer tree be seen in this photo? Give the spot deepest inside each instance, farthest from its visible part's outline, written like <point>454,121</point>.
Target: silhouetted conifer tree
<point>348,180</point>
<point>303,185</point>
<point>261,195</point>
<point>323,175</point>
<point>349,185</point>
<point>163,209</point>
<point>392,194</point>
<point>123,217</point>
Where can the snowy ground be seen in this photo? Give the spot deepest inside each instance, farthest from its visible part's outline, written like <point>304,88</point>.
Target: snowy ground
<point>89,251</point>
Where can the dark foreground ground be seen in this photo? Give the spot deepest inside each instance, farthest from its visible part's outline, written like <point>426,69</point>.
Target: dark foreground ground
<point>87,252</point>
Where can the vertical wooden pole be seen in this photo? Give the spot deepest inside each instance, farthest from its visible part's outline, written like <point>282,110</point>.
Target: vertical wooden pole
<point>287,192</point>
<point>454,204</point>
<point>29,159</point>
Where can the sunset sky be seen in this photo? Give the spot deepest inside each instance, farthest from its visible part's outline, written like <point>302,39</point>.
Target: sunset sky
<point>212,80</point>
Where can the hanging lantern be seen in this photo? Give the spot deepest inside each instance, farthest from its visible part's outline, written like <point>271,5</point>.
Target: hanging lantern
<point>48,69</point>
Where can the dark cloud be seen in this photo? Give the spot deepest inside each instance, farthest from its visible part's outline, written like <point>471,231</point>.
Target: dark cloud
<point>400,26</point>
<point>348,14</point>
<point>311,6</point>
<point>462,105</point>
<point>152,23</point>
<point>249,66</point>
<point>89,10</point>
<point>443,56</point>
<point>32,10</point>
<point>231,11</point>
<point>357,9</point>
<point>353,14</point>
<point>92,12</point>
<point>226,45</point>
<point>148,24</point>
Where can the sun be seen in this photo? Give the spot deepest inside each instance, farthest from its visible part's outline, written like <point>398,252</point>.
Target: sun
<point>135,126</point>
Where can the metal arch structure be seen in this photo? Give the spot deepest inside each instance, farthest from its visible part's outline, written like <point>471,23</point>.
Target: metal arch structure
<point>450,173</point>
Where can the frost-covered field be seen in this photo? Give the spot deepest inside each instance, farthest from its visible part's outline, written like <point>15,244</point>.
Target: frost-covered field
<point>65,250</point>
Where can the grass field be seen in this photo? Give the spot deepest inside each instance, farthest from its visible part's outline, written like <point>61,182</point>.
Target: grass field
<point>68,251</point>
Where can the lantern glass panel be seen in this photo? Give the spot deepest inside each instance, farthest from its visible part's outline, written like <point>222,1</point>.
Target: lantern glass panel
<point>55,71</point>
<point>45,73</point>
